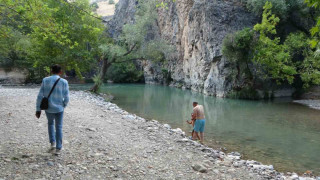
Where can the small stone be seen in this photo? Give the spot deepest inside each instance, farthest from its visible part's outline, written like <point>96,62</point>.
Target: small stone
<point>67,177</point>
<point>216,171</point>
<point>199,168</point>
<point>109,159</point>
<point>113,168</point>
<point>294,177</point>
<point>91,129</point>
<point>50,163</point>
<point>183,140</point>
<point>98,154</point>
<point>238,163</point>
<point>178,130</point>
<point>167,126</point>
<point>25,156</point>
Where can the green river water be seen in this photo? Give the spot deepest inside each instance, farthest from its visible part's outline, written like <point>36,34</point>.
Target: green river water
<point>281,133</point>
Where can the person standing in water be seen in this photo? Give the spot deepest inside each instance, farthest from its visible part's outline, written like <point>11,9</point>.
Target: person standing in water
<point>198,114</point>
<point>56,90</point>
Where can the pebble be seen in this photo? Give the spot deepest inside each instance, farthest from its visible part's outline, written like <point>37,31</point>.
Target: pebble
<point>167,126</point>
<point>91,129</point>
<point>142,148</point>
<point>200,168</point>
<point>294,177</point>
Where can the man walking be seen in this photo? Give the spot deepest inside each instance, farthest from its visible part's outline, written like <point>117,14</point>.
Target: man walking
<point>198,114</point>
<point>57,101</point>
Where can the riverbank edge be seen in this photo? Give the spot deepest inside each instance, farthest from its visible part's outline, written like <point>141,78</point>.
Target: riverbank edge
<point>265,171</point>
<point>235,157</point>
<point>311,103</point>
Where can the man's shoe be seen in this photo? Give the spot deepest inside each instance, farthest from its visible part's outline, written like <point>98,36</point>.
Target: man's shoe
<point>52,147</point>
<point>58,152</point>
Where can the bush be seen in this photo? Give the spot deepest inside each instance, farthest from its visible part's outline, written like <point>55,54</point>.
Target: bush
<point>125,73</point>
<point>245,93</point>
<point>236,47</point>
<point>167,76</point>
<point>111,2</point>
<point>282,8</point>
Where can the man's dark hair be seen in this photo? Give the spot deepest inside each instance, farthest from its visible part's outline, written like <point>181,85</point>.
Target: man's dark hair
<point>56,69</point>
<point>195,102</point>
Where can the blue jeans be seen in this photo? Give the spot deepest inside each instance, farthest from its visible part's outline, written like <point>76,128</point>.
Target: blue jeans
<point>55,121</point>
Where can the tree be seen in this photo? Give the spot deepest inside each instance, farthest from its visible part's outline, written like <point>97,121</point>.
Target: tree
<point>291,60</point>
<point>281,8</point>
<point>315,30</point>
<point>269,52</point>
<point>59,31</point>
<point>237,47</point>
<point>137,41</point>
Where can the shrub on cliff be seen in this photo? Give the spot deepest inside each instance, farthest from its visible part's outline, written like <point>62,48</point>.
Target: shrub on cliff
<point>237,48</point>
<point>281,8</point>
<point>94,6</point>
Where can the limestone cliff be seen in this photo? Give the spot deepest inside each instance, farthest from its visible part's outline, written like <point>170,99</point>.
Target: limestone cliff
<point>196,28</point>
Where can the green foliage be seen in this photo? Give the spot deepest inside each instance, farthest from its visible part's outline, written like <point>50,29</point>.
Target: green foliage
<point>313,3</point>
<point>50,31</point>
<point>166,75</point>
<point>97,80</point>
<point>272,55</point>
<point>137,41</point>
<point>315,30</point>
<point>125,73</point>
<point>297,45</point>
<point>281,8</point>
<point>236,46</point>
<point>141,33</point>
<point>310,72</point>
<point>310,68</point>
<point>291,60</point>
<point>111,2</point>
<point>94,6</point>
<point>244,93</point>
<point>13,50</point>
<point>163,3</point>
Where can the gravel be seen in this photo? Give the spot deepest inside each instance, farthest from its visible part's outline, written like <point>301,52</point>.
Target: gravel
<point>315,104</point>
<point>102,141</point>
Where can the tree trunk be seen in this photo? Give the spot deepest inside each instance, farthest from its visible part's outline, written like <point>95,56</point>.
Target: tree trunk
<point>103,71</point>
<point>238,71</point>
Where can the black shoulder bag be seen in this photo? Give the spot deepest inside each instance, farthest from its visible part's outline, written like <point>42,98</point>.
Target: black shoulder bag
<point>45,101</point>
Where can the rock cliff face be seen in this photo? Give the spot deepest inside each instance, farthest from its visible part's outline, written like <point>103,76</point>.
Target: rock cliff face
<point>196,28</point>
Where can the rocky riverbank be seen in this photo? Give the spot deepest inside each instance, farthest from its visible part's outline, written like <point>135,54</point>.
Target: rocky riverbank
<point>102,141</point>
<point>315,104</point>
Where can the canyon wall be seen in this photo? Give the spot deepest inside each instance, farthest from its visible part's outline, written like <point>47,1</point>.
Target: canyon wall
<point>196,28</point>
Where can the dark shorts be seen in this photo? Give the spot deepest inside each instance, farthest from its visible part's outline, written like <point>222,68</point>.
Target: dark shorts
<point>199,125</point>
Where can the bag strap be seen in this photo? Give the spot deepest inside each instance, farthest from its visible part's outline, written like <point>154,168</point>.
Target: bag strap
<point>53,87</point>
